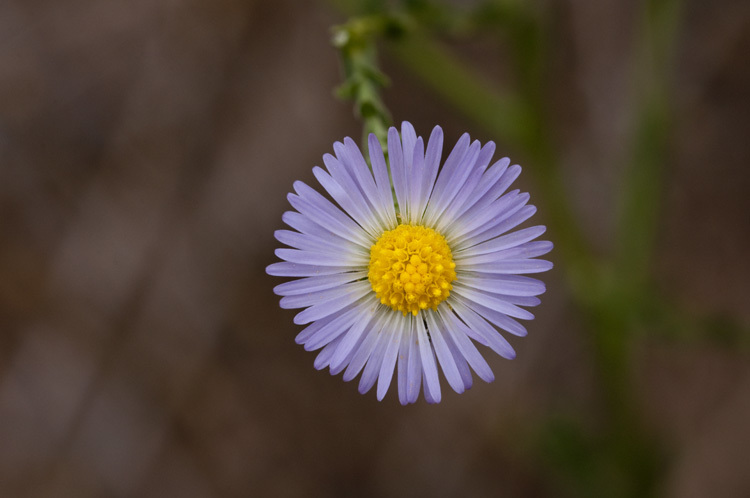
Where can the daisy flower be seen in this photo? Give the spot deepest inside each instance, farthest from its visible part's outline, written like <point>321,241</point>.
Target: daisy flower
<point>413,266</point>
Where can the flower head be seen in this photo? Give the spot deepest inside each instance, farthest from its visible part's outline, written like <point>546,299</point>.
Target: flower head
<point>413,266</point>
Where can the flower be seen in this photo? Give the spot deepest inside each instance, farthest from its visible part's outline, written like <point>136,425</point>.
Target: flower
<point>411,268</point>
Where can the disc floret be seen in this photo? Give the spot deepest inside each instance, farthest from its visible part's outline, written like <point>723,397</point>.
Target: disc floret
<point>411,268</point>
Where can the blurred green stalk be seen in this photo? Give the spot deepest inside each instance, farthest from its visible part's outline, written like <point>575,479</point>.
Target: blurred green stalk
<point>640,203</point>
<point>355,41</point>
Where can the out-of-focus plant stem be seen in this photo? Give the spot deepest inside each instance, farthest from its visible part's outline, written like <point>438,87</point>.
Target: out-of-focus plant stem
<point>356,42</point>
<point>643,182</point>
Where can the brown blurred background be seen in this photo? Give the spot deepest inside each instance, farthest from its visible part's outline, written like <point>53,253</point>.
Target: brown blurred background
<point>146,148</point>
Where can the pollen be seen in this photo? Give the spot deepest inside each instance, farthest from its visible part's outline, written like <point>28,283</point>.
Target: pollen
<point>411,268</point>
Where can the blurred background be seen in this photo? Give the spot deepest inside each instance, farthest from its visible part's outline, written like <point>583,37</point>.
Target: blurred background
<point>146,149</point>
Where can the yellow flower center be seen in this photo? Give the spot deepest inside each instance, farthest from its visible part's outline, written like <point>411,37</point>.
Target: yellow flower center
<point>411,268</point>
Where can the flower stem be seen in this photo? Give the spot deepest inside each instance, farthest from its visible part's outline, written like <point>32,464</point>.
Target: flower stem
<point>643,181</point>
<point>363,80</point>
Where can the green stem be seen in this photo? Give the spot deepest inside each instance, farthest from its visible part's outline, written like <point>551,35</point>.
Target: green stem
<point>643,182</point>
<point>356,41</point>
